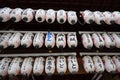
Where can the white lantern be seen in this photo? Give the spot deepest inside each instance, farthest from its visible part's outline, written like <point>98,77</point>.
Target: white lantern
<point>72,40</point>
<point>16,14</point>
<point>27,40</point>
<point>15,67</point>
<point>50,66</point>
<point>4,40</point>
<point>4,65</point>
<point>38,40</point>
<point>116,60</point>
<point>60,40</point>
<point>38,66</point>
<point>61,16</point>
<point>27,67</point>
<point>109,41</point>
<point>50,16</point>
<point>40,15</point>
<point>73,66</point>
<point>109,64</point>
<point>88,16</point>
<point>72,17</point>
<point>87,41</point>
<point>61,65</point>
<point>50,40</point>
<point>116,15</point>
<point>28,15</point>
<point>99,66</point>
<point>116,38</point>
<point>98,40</point>
<point>15,40</point>
<point>109,19</point>
<point>5,14</point>
<point>88,64</point>
<point>99,18</point>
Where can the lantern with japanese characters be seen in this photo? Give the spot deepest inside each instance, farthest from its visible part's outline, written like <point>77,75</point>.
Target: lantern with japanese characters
<point>73,66</point>
<point>50,66</point>
<point>61,65</point>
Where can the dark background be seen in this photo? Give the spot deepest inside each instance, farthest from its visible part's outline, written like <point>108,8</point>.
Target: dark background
<point>76,5</point>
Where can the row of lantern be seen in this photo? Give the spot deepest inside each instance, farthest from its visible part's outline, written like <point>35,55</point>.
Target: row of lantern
<point>100,40</point>
<point>36,66</point>
<point>16,39</point>
<point>99,65</point>
<point>101,17</point>
<point>61,16</point>
<point>40,15</point>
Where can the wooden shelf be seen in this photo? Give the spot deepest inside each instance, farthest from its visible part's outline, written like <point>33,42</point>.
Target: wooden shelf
<point>99,54</point>
<point>37,54</point>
